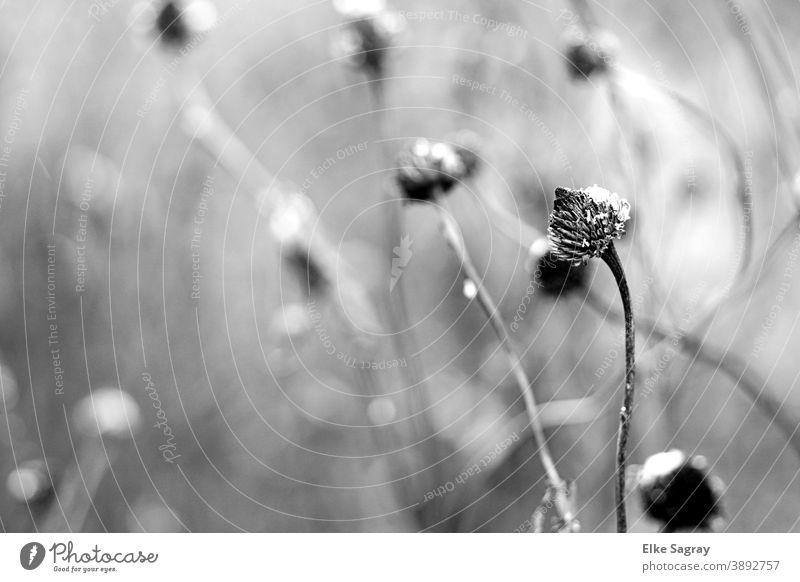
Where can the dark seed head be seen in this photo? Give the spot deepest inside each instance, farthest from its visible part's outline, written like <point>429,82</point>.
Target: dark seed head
<point>589,55</point>
<point>171,26</point>
<point>678,492</point>
<point>584,222</point>
<point>368,34</point>
<point>428,167</point>
<point>178,21</point>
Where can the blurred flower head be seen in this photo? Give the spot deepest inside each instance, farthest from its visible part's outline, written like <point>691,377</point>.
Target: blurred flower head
<point>107,412</point>
<point>430,166</point>
<point>587,55</point>
<point>30,482</point>
<point>174,22</point>
<point>678,492</point>
<point>584,222</point>
<point>369,31</point>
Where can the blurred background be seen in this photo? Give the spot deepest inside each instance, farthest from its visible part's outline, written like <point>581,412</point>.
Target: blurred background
<point>131,259</point>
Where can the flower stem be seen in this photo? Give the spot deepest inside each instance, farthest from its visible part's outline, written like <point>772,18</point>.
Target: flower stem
<point>455,240</point>
<point>611,259</point>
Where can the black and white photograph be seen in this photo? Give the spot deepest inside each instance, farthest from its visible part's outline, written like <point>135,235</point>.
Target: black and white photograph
<point>399,267</point>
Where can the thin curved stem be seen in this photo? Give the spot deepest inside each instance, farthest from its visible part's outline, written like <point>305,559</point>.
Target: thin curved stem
<point>455,240</point>
<point>611,259</point>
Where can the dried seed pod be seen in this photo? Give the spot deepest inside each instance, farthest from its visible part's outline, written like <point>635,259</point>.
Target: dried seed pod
<point>678,492</point>
<point>179,21</point>
<point>427,167</point>
<point>368,33</point>
<point>588,55</point>
<point>584,222</point>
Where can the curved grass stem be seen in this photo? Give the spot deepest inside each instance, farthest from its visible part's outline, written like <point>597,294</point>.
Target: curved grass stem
<point>559,487</point>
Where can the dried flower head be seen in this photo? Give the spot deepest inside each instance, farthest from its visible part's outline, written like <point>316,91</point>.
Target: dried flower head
<point>369,31</point>
<point>179,20</point>
<point>589,55</point>
<point>584,222</point>
<point>430,166</point>
<point>678,492</point>
<point>107,412</point>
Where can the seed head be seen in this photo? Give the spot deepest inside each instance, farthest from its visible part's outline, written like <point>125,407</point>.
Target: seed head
<point>678,492</point>
<point>588,55</point>
<point>429,166</point>
<point>179,20</point>
<point>584,222</point>
<point>369,31</point>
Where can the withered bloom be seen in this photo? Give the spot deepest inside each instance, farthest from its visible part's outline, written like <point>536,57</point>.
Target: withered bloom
<point>588,55</point>
<point>583,225</point>
<point>678,492</point>
<point>428,167</point>
<point>368,33</point>
<point>584,222</point>
<point>180,20</point>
